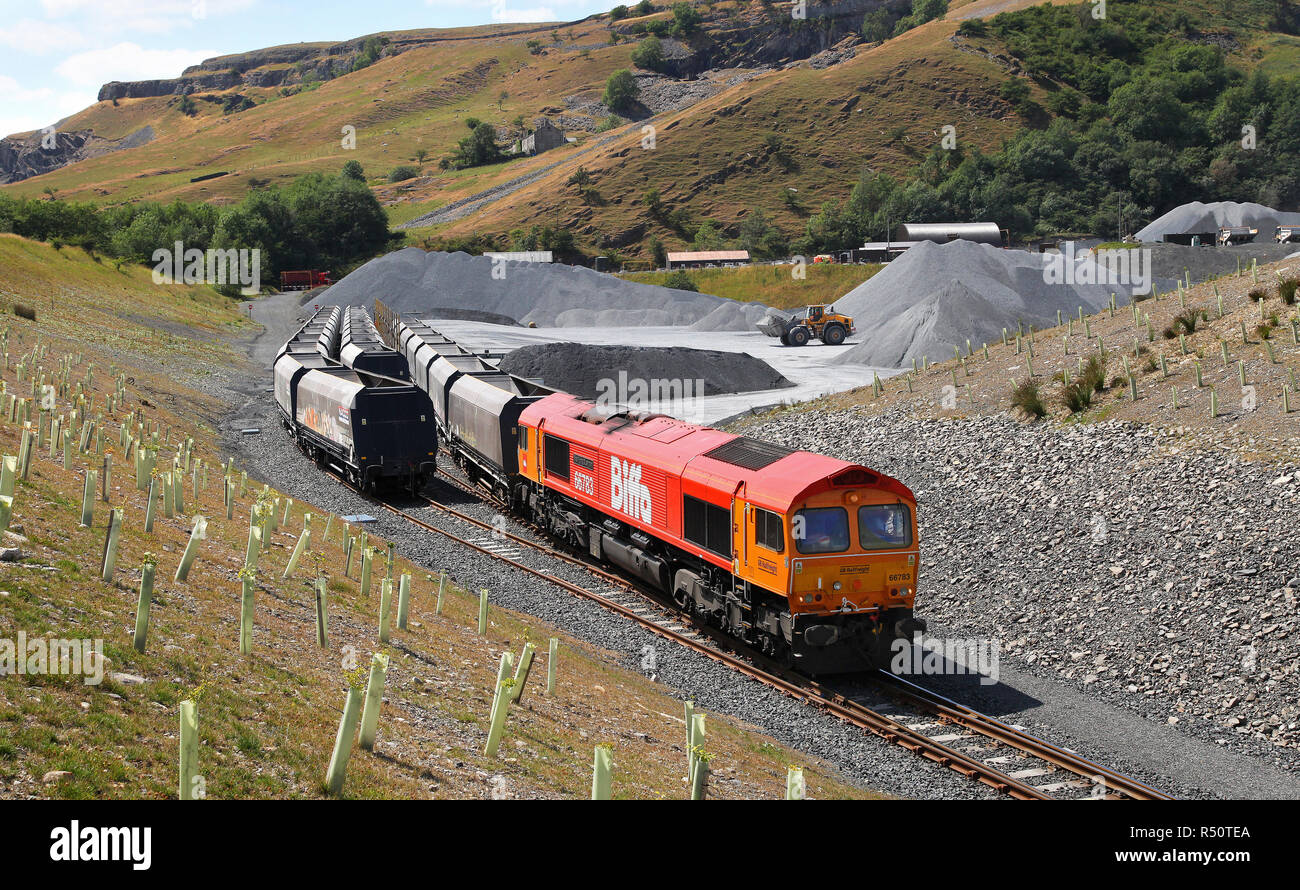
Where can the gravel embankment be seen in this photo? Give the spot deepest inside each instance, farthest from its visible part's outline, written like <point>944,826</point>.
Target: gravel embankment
<point>1106,557</point>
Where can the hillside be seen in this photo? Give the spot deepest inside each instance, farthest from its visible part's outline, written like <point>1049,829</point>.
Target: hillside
<point>834,110</point>
<point>754,111</point>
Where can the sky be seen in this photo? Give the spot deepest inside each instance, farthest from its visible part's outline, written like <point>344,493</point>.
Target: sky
<point>55,54</point>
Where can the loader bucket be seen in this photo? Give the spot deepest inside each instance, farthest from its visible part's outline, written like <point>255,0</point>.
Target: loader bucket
<point>773,324</point>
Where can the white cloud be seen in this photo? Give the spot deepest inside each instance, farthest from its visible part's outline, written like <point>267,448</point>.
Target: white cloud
<point>12,91</point>
<point>41,38</point>
<point>502,11</point>
<point>23,110</point>
<point>534,14</point>
<point>143,16</point>
<point>128,61</point>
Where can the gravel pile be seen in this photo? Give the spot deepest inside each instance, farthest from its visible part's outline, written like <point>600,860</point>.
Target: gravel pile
<point>1173,261</point>
<point>550,294</point>
<point>1201,217</point>
<point>937,296</point>
<point>1108,557</point>
<point>578,368</point>
<point>732,316</point>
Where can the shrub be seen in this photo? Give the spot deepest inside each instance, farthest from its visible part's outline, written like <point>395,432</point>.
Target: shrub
<point>1077,396</point>
<point>1256,295</point>
<point>1094,373</point>
<point>1185,322</point>
<point>649,54</point>
<point>686,19</point>
<point>1027,398</point>
<point>1263,331</point>
<point>620,90</point>
<point>26,312</point>
<point>681,281</point>
<point>1150,365</point>
<point>1286,290</point>
<point>645,7</point>
<point>618,12</point>
<point>403,173</point>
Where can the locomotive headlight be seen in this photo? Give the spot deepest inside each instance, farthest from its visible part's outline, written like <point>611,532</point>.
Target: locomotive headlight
<point>835,586</point>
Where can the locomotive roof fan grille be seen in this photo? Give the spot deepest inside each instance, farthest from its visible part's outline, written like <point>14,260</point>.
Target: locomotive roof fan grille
<point>751,454</point>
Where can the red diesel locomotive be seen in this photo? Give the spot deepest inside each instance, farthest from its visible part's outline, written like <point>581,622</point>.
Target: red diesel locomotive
<point>812,559</point>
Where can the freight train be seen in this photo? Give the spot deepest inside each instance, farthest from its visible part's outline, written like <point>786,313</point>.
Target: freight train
<point>811,559</point>
<point>375,429</point>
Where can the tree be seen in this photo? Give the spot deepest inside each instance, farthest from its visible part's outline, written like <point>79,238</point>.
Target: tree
<point>686,19</point>
<point>709,236</point>
<point>681,281</point>
<point>922,12</point>
<point>877,25</point>
<point>618,12</point>
<point>353,170</point>
<point>476,149</point>
<point>645,7</point>
<point>654,203</point>
<point>649,54</point>
<point>421,155</point>
<point>620,90</point>
<point>658,255</point>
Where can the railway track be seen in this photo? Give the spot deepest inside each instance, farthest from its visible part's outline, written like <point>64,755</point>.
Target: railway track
<point>982,748</point>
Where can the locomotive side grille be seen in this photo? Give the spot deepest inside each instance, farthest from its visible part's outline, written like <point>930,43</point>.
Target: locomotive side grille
<point>751,454</point>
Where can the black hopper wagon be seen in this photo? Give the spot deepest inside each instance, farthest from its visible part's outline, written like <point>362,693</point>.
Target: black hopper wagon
<point>374,429</point>
<point>476,404</point>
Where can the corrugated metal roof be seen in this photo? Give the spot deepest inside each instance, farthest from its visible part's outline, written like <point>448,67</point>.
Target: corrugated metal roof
<point>985,232</point>
<point>523,256</point>
<point>707,256</point>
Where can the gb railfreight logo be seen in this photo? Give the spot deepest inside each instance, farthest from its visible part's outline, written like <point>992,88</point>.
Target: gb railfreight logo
<point>627,493</point>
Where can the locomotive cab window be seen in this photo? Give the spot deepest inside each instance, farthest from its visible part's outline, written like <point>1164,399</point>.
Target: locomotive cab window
<point>557,457</point>
<point>884,527</point>
<point>707,525</point>
<point>523,438</point>
<point>767,530</point>
<point>821,530</point>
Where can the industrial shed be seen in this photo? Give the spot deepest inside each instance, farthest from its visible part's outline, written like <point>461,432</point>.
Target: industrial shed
<point>696,259</point>
<point>982,233</point>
